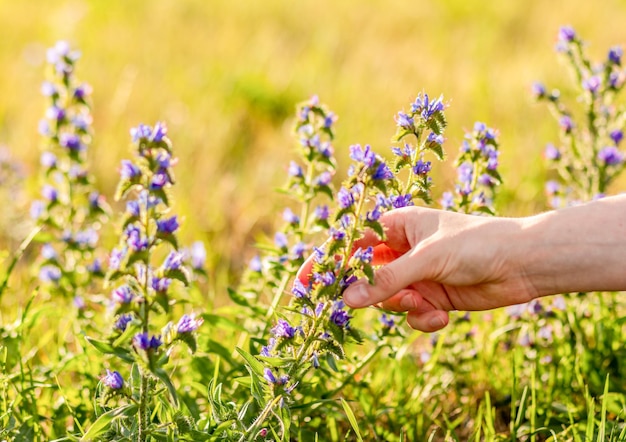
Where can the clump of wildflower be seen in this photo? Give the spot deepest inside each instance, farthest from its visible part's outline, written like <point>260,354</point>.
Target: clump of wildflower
<point>70,209</point>
<point>477,174</point>
<point>588,158</point>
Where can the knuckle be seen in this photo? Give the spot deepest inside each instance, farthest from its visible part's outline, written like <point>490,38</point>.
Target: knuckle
<point>386,279</point>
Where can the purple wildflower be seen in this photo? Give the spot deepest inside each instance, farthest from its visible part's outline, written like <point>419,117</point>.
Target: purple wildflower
<point>592,84</point>
<point>123,294</point>
<point>134,238</point>
<point>159,180</point>
<point>323,179</point>
<point>566,124</point>
<point>115,258</point>
<point>447,200</point>
<point>295,170</point>
<point>363,154</point>
<point>255,264</point>
<point>49,273</point>
<point>552,152</point>
<point>399,201</point>
<point>140,132</point>
<point>617,136</point>
<point>283,329</point>
<point>48,160</point>
<point>168,226</point>
<point>387,321</point>
<point>610,156</point>
<point>326,278</point>
<point>48,253</point>
<point>338,316</point>
<point>55,113</point>
<point>422,167</point>
<point>345,198</point>
<point>133,208</point>
<point>486,180</point>
<point>552,187</point>
<point>405,121</point>
<point>198,255</point>
<point>299,290</point>
<point>280,239</point>
<point>433,138</point>
<point>269,376</point>
<point>173,261</point>
<point>290,217</point>
<point>538,90</point>
<point>364,256</point>
<point>48,89</point>
<point>382,172</point>
<point>567,34</point>
<point>615,55</point>
<point>159,132</point>
<point>128,170</point>
<point>160,285</point>
<point>322,213</point>
<point>122,321</point>
<point>188,324</point>
<point>49,193</point>
<point>113,380</point>
<point>298,250</point>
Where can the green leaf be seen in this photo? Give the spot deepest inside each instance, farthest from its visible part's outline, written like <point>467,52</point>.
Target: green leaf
<point>351,418</point>
<point>102,424</point>
<point>108,349</point>
<point>165,378</point>
<point>253,362</point>
<point>178,274</point>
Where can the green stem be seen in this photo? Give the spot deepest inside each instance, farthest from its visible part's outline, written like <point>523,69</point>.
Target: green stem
<point>362,365</point>
<point>16,257</point>
<point>251,432</point>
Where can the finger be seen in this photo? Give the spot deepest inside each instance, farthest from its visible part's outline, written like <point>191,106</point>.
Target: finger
<point>403,301</point>
<point>429,321</point>
<point>388,280</point>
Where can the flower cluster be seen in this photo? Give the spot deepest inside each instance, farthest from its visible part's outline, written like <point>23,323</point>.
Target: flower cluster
<point>477,173</point>
<point>70,210</point>
<point>317,324</point>
<point>588,157</point>
<point>142,271</point>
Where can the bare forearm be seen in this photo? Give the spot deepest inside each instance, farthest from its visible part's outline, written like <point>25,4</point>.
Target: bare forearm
<point>577,249</point>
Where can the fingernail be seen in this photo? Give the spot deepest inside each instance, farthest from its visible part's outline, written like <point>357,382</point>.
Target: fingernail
<point>436,322</point>
<point>407,302</point>
<point>356,295</point>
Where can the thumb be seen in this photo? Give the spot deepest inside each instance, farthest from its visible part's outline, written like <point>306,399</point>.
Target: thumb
<point>388,280</point>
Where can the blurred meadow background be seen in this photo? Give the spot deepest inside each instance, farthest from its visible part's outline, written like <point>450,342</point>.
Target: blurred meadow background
<point>226,76</point>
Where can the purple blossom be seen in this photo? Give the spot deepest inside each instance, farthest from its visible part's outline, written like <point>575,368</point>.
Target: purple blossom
<point>323,179</point>
<point>405,121</point>
<point>617,136</point>
<point>96,266</point>
<point>295,170</point>
<point>567,34</point>
<point>128,170</point>
<point>266,350</point>
<point>337,234</point>
<point>122,295</point>
<point>122,321</point>
<point>364,255</point>
<point>80,92</point>
<point>615,55</point>
<point>592,84</point>
<point>133,208</point>
<point>48,253</point>
<point>280,239</point>
<point>422,167</point>
<point>168,226</point>
<point>387,321</point>
<point>433,138</point>
<point>345,198</point>
<point>283,329</point>
<point>465,173</point>
<point>326,278</point>
<point>615,80</point>
<point>322,213</point>
<point>298,250</point>
<point>140,132</point>
<point>55,113</point>
<point>159,132</point>
<point>538,90</point>
<point>552,187</point>
<point>159,180</point>
<point>49,273</point>
<point>113,380</point>
<point>49,193</point>
<point>87,237</point>
<point>566,124</point>
<point>382,172</point>
<point>143,342</point>
<point>339,316</point>
<point>486,180</point>
<point>198,255</point>
<point>160,285</point>
<point>269,376</point>
<point>134,238</point>
<point>255,264</point>
<point>174,260</point>
<point>299,290</point>
<point>552,152</point>
<point>610,156</point>
<point>426,107</point>
<point>290,217</point>
<point>447,200</point>
<point>363,154</point>
<point>48,160</point>
<point>48,89</point>
<point>188,324</point>
<point>406,152</point>
<point>399,201</point>
<point>115,258</point>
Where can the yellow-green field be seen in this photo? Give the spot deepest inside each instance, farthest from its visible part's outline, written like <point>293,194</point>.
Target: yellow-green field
<point>226,76</point>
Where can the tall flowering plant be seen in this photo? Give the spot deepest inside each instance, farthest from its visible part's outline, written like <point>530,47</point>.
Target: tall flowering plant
<point>310,331</point>
<point>143,270</point>
<point>70,211</point>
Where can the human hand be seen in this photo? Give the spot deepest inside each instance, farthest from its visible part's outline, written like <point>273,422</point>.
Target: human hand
<point>434,261</point>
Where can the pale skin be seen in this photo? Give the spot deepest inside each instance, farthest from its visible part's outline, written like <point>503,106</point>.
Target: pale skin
<point>433,261</point>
